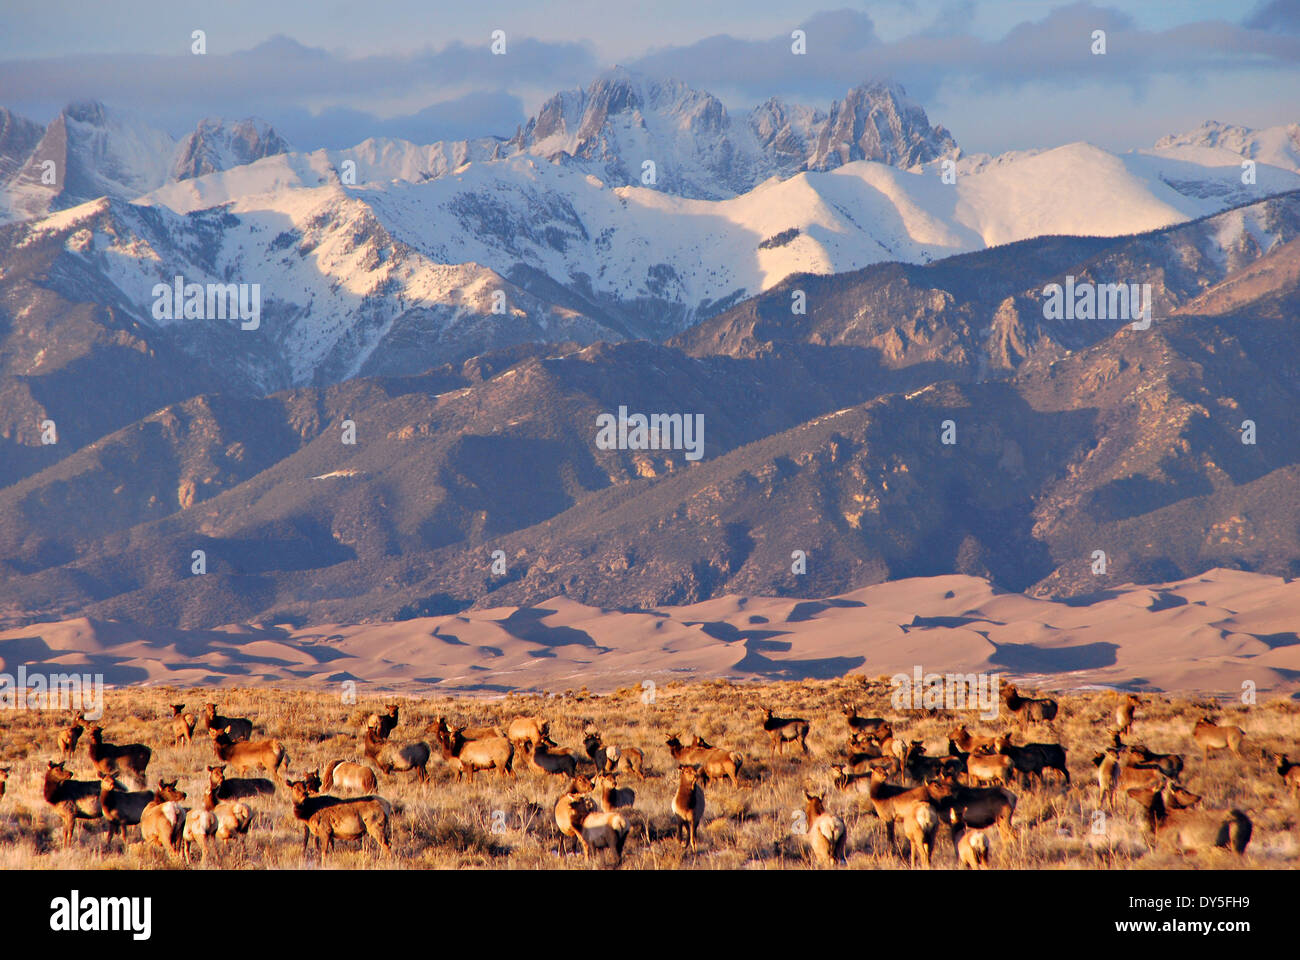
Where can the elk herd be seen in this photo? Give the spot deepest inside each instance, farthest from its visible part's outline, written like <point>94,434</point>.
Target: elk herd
<point>967,788</point>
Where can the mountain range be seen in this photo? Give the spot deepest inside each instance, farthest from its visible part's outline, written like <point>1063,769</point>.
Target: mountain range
<point>470,308</point>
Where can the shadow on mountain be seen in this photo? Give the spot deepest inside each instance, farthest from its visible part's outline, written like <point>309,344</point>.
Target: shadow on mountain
<point>1026,658</point>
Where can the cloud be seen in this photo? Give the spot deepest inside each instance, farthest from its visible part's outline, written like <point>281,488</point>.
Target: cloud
<point>1275,16</point>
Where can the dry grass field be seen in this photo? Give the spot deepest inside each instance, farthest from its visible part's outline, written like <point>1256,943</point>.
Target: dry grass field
<point>502,823</point>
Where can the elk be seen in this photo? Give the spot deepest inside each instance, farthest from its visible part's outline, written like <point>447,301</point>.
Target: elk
<point>827,836</point>
<point>1124,713</point>
<point>72,800</point>
<point>223,820</point>
<point>912,807</point>
<point>876,727</point>
<point>182,725</point>
<point>383,723</point>
<point>327,818</point>
<point>400,757</point>
<point>611,759</point>
<point>356,777</point>
<point>1210,737</point>
<point>1192,830</point>
<point>546,757</point>
<point>986,768</point>
<point>1028,709</point>
<point>971,845</point>
<point>241,756</point>
<point>1113,776</point>
<point>1032,759</point>
<point>241,728</point>
<point>783,730</point>
<point>163,820</point>
<point>570,809</point>
<point>920,768</point>
<point>715,763</point>
<point>122,809</point>
<point>1288,771</point>
<point>533,729</point>
<point>1170,764</point>
<point>842,779</point>
<point>128,759</point>
<point>688,804</point>
<point>608,794</point>
<point>600,830</point>
<point>238,788</point>
<point>966,742</point>
<point>71,735</point>
<point>467,757</point>
<point>4,779</point>
<point>983,807</point>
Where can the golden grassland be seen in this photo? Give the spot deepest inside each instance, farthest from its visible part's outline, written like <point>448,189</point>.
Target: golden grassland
<point>499,823</point>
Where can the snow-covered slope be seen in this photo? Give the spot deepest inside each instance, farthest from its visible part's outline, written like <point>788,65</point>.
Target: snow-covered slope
<point>1222,144</point>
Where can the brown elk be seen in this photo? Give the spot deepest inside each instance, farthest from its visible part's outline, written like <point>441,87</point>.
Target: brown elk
<point>163,820</point>
<point>848,782</point>
<point>983,807</point>
<point>989,768</point>
<point>129,759</point>
<point>1288,771</point>
<point>1192,830</point>
<point>967,742</point>
<point>876,727</point>
<point>239,788</point>
<point>532,729</point>
<point>783,730</point>
<point>1032,759</point>
<point>1210,737</point>
<point>921,768</point>
<point>4,780</point>
<point>223,820</point>
<point>971,845</point>
<point>182,725</point>
<point>611,759</point>
<point>1028,709</point>
<point>570,809</point>
<point>600,830</point>
<point>330,818</point>
<point>688,804</point>
<point>913,807</point>
<point>714,762</point>
<point>467,757</point>
<point>356,777</point>
<point>241,728</point>
<point>71,735</point>
<point>609,796</point>
<point>122,809</point>
<point>72,800</point>
<point>1170,764</point>
<point>1124,713</point>
<point>1113,776</point>
<point>827,836</point>
<point>547,757</point>
<point>241,756</point>
<point>401,757</point>
<point>383,723</point>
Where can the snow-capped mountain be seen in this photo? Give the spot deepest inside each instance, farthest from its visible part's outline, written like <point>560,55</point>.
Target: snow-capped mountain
<point>90,151</point>
<point>1216,143</point>
<point>219,145</point>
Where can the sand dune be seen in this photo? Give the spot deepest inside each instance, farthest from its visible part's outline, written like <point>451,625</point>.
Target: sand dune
<point>1207,636</point>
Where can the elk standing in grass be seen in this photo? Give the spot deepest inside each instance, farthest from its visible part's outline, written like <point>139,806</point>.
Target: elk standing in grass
<point>1124,713</point>
<point>1192,830</point>
<point>163,820</point>
<point>239,788</point>
<point>241,728</point>
<point>328,818</point>
<point>130,759</point>
<point>1114,777</point>
<point>547,757</point>
<point>1032,759</point>
<point>967,742</point>
<point>383,723</point>
<point>611,759</point>
<point>783,730</point>
<point>609,795</point>
<point>124,809</point>
<point>466,757</point>
<point>601,830</point>
<point>1210,737</point>
<point>1028,709</point>
<point>356,777</point>
<point>827,836</point>
<point>570,809</point>
<point>971,846</point>
<point>242,756</point>
<point>913,807</point>
<point>983,807</point>
<point>401,757</point>
<point>876,727</point>
<point>70,736</point>
<point>183,725</point>
<point>532,729</point>
<point>688,804</point>
<point>223,820</point>
<point>1170,764</point>
<point>72,800</point>
<point>1288,771</point>
<point>715,763</point>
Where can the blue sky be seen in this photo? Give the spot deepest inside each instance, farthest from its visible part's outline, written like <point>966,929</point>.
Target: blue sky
<point>1000,74</point>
